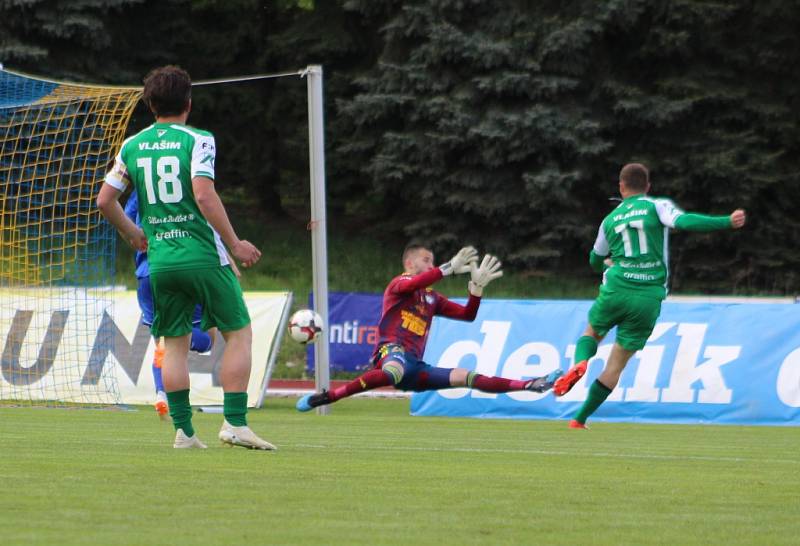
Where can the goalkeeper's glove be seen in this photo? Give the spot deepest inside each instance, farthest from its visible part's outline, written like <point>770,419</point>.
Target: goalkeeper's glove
<point>461,262</point>
<point>481,275</point>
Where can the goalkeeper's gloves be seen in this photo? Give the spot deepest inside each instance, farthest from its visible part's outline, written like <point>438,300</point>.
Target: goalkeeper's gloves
<point>481,275</point>
<point>461,262</point>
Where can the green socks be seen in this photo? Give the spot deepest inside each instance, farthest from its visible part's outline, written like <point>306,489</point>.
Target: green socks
<point>597,395</point>
<point>181,411</point>
<point>585,349</point>
<point>235,408</point>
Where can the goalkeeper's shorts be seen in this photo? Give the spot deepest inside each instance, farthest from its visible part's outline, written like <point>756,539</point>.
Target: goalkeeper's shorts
<point>177,292</point>
<point>417,375</point>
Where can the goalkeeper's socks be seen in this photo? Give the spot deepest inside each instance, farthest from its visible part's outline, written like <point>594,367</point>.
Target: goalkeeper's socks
<point>370,380</point>
<point>488,383</point>
<point>585,348</point>
<point>181,411</point>
<point>597,395</point>
<point>234,407</point>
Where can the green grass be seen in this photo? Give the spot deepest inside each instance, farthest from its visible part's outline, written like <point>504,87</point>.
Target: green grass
<point>371,474</point>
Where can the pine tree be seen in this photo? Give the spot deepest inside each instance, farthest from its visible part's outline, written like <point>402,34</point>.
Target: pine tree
<point>505,124</point>
<point>473,127</point>
<point>60,39</point>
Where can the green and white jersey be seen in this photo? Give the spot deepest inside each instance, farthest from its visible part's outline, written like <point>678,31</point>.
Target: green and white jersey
<point>636,236</point>
<point>161,161</point>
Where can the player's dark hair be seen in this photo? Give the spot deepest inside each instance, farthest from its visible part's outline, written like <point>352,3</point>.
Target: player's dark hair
<point>636,176</point>
<point>411,248</point>
<point>167,90</point>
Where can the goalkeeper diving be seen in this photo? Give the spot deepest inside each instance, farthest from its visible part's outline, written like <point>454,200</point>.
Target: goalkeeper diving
<point>409,305</point>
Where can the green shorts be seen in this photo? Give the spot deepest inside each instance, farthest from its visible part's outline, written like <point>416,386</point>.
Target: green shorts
<point>633,315</point>
<point>175,294</point>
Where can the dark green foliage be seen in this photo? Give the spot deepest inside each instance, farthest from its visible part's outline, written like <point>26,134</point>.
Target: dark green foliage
<point>59,39</point>
<point>498,123</point>
<point>505,124</point>
<point>477,128</point>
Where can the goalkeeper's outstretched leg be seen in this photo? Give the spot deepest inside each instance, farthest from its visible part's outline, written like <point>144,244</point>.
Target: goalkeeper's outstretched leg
<point>417,376</point>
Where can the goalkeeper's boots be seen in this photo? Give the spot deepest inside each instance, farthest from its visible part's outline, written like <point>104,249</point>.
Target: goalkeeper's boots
<point>185,442</point>
<point>309,401</point>
<point>243,437</point>
<point>578,425</point>
<point>568,380</point>
<point>545,383</point>
<point>162,409</point>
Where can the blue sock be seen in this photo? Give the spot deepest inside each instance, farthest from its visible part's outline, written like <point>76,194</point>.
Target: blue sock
<point>201,341</point>
<point>157,378</point>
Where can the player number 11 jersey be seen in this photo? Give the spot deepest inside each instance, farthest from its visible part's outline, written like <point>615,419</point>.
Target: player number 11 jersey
<point>635,235</point>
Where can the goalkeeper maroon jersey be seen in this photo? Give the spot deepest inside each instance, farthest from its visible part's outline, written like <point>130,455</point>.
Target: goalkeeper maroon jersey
<point>409,305</point>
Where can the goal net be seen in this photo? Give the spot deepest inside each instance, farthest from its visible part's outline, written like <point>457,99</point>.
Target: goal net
<point>57,258</point>
<point>57,255</point>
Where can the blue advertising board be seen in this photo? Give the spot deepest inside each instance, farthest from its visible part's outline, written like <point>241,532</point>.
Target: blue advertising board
<point>704,363</point>
<point>352,330</point>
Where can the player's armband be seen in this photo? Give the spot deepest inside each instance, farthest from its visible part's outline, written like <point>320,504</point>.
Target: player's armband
<point>118,175</point>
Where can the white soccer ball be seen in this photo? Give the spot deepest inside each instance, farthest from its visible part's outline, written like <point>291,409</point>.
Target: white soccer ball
<point>305,326</point>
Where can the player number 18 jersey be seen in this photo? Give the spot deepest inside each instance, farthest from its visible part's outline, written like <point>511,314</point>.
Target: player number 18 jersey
<point>161,161</point>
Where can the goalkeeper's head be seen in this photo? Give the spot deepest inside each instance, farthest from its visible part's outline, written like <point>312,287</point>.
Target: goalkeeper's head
<point>417,258</point>
<point>168,91</point>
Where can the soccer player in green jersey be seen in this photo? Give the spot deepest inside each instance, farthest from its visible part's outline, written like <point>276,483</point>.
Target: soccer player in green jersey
<point>184,230</point>
<point>632,248</point>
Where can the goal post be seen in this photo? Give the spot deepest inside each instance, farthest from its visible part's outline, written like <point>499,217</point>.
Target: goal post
<point>319,243</point>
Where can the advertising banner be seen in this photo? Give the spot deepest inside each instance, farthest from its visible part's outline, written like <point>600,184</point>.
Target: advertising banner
<point>352,332</point>
<point>75,346</point>
<point>704,363</point>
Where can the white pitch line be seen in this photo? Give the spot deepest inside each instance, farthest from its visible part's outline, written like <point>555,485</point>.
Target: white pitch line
<point>554,453</point>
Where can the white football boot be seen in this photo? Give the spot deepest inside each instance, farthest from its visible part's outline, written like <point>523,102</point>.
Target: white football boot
<point>185,442</point>
<point>242,436</point>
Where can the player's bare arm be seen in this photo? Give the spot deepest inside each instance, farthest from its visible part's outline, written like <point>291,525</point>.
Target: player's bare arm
<point>234,268</point>
<point>214,211</point>
<point>108,203</point>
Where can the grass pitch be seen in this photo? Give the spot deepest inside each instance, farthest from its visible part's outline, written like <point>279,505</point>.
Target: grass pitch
<point>371,474</point>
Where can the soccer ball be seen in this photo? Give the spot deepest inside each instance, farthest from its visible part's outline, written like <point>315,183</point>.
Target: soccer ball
<point>305,326</point>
